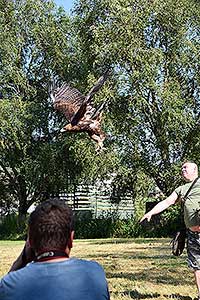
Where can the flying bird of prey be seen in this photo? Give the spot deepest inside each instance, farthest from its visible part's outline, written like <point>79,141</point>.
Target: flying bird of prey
<point>79,110</point>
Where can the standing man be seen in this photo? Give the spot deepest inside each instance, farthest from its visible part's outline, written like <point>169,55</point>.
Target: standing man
<point>191,216</point>
<point>53,274</point>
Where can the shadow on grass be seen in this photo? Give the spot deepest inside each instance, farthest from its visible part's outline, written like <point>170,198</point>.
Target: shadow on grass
<point>131,255</point>
<point>127,241</point>
<point>136,295</point>
<point>152,276</point>
<point>178,297</point>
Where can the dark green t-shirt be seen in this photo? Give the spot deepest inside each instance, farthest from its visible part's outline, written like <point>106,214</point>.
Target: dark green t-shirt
<point>192,203</point>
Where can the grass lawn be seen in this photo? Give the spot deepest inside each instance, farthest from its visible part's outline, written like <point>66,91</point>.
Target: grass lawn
<point>135,268</point>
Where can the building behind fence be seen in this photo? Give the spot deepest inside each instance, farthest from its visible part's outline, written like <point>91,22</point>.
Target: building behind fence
<point>96,199</point>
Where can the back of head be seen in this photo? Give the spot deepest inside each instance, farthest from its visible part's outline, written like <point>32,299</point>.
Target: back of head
<point>50,226</point>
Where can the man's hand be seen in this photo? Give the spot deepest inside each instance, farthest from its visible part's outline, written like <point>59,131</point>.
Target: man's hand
<point>146,216</point>
<point>27,255</point>
<point>162,205</point>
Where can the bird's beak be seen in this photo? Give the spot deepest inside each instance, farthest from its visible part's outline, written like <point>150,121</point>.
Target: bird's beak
<point>62,130</point>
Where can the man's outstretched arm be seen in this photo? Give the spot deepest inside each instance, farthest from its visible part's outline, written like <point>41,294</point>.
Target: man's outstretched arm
<point>162,205</point>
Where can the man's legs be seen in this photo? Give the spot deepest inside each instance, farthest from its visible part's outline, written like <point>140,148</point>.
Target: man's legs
<point>193,250</point>
<point>197,278</point>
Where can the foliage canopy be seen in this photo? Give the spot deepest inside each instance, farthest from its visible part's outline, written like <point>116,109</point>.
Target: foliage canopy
<point>152,113</point>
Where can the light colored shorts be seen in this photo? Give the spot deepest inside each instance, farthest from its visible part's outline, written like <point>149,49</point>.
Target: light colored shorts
<point>193,249</point>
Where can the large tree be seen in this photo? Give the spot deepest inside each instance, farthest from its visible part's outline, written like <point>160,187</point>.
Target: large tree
<point>154,49</point>
<point>152,112</point>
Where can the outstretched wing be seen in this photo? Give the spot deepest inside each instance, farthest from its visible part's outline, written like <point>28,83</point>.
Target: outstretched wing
<point>90,111</point>
<point>73,104</point>
<point>69,101</point>
<point>98,85</point>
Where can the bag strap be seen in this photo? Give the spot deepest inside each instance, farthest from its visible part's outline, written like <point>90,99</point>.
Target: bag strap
<point>184,198</point>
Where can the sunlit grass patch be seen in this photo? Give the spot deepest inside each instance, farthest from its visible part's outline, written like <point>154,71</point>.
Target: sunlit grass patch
<point>135,268</point>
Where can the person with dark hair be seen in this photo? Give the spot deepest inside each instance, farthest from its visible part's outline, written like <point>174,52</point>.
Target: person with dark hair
<point>189,195</point>
<point>44,269</point>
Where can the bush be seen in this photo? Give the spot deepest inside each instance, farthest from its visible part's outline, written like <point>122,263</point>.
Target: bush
<point>105,226</point>
<point>9,228</point>
<point>88,227</point>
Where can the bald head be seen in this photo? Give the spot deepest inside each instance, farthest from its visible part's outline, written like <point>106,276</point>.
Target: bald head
<point>189,171</point>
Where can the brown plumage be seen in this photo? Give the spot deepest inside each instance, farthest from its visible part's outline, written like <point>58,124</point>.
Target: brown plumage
<point>79,111</point>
